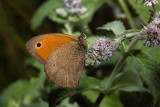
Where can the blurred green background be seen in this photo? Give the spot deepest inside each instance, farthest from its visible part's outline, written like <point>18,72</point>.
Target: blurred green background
<point>22,79</point>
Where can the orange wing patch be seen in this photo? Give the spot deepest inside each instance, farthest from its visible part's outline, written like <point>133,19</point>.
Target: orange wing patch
<point>50,42</point>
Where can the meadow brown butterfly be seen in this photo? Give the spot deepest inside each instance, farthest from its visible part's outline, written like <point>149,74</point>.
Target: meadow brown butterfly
<point>63,56</point>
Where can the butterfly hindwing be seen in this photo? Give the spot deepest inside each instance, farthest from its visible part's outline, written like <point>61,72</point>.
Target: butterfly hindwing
<point>64,66</point>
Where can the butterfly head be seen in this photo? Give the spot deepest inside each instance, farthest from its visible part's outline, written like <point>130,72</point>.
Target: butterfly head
<point>82,37</point>
<point>82,40</point>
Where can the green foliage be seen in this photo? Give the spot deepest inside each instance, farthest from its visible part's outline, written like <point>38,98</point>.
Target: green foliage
<point>90,82</point>
<point>84,18</point>
<point>108,101</point>
<point>150,71</point>
<point>141,10</point>
<point>21,93</point>
<point>116,26</point>
<point>25,92</point>
<point>48,9</point>
<point>139,71</point>
<point>129,81</point>
<point>42,12</point>
<point>65,103</point>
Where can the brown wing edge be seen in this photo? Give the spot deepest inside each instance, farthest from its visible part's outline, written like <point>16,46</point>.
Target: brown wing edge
<point>30,46</point>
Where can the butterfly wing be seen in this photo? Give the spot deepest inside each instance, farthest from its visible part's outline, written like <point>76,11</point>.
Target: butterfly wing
<point>42,46</point>
<point>65,65</point>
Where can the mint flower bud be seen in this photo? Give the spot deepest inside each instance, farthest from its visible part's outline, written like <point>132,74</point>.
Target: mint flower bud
<point>101,51</point>
<point>151,33</point>
<point>149,2</point>
<point>73,6</point>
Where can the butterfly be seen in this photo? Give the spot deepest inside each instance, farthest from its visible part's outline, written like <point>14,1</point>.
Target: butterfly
<point>63,56</point>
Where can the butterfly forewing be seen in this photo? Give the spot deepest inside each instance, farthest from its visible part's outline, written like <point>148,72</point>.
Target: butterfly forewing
<point>42,46</point>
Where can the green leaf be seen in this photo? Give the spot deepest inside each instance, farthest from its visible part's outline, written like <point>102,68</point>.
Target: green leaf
<point>22,91</point>
<point>128,81</point>
<point>13,94</point>
<point>48,9</point>
<point>52,15</point>
<point>42,12</point>
<point>150,71</point>
<point>154,52</point>
<point>39,104</point>
<point>35,63</point>
<point>82,18</point>
<point>108,101</point>
<point>89,82</point>
<point>37,82</point>
<point>66,103</point>
<point>141,10</point>
<point>131,31</point>
<point>92,6</point>
<point>116,26</point>
<point>17,89</point>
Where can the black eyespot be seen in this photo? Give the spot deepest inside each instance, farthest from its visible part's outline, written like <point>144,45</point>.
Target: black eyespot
<point>38,44</point>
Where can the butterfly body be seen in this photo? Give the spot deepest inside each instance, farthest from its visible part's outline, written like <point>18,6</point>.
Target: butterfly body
<point>62,55</point>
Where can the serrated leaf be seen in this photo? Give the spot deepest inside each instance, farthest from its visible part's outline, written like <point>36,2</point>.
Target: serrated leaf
<point>152,51</point>
<point>116,26</point>
<point>42,12</point>
<point>150,71</point>
<point>143,11</point>
<point>128,81</point>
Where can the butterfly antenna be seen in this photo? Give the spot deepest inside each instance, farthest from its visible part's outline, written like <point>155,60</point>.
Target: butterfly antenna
<point>84,30</point>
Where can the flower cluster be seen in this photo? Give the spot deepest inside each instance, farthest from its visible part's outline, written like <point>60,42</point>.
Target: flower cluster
<point>73,6</point>
<point>151,33</point>
<point>150,2</point>
<point>101,51</point>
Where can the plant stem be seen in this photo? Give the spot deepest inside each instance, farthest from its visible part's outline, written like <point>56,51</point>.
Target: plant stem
<point>98,100</point>
<point>130,19</point>
<point>154,9</point>
<point>115,71</point>
<point>133,42</point>
<point>111,79</point>
<point>69,28</point>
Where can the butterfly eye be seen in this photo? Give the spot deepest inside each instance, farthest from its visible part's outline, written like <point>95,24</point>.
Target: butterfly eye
<point>38,44</point>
